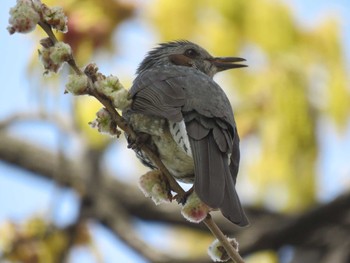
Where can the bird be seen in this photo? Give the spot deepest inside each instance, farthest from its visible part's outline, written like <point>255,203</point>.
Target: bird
<point>187,119</point>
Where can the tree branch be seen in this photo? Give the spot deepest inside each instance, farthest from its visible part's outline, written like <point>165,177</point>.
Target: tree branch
<point>293,229</point>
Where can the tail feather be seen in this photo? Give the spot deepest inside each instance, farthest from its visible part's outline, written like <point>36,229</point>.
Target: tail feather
<point>209,172</point>
<point>231,207</point>
<point>214,182</point>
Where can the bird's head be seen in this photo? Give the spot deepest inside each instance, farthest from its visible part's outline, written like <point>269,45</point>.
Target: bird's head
<point>188,54</point>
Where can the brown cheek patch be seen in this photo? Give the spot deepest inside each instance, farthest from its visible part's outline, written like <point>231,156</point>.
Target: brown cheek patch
<point>180,60</point>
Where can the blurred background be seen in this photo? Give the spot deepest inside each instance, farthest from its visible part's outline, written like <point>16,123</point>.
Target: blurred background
<point>69,194</point>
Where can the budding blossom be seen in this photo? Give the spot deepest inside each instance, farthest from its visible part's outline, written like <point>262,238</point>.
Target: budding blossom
<point>77,84</point>
<point>23,17</point>
<point>153,185</point>
<point>55,17</point>
<point>194,209</point>
<point>28,13</point>
<point>54,56</point>
<point>114,90</point>
<point>104,124</point>
<point>218,253</point>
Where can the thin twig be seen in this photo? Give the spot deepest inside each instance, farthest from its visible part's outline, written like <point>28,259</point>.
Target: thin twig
<point>123,125</point>
<point>48,30</point>
<point>231,251</point>
<point>71,61</point>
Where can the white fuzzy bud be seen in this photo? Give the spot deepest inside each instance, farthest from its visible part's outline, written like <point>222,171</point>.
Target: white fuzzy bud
<point>104,123</point>
<point>77,84</point>
<point>120,99</point>
<point>194,209</point>
<point>55,17</point>
<point>112,88</point>
<point>23,17</point>
<point>53,57</point>
<point>60,52</point>
<point>217,252</point>
<point>153,185</point>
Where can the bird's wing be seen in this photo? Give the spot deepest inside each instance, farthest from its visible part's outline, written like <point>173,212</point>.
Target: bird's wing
<point>182,93</point>
<point>169,91</point>
<point>154,93</point>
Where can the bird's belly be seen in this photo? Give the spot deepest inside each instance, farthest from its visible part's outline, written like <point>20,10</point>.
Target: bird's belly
<point>175,159</point>
<point>175,156</point>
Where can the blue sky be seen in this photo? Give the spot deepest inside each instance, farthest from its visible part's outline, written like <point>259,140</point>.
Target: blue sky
<point>23,195</point>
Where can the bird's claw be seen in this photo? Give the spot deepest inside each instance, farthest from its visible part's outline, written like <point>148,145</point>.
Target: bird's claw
<point>182,198</point>
<point>141,139</point>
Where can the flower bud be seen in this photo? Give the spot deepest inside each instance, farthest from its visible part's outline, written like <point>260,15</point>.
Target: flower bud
<point>153,185</point>
<point>55,17</point>
<point>23,17</point>
<point>77,84</point>
<point>194,209</point>
<point>218,253</point>
<point>60,53</point>
<point>53,57</point>
<point>114,90</point>
<point>103,123</point>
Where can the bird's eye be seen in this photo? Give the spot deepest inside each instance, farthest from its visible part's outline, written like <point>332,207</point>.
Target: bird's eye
<point>191,53</point>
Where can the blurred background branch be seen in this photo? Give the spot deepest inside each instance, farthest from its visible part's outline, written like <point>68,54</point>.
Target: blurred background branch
<point>113,202</point>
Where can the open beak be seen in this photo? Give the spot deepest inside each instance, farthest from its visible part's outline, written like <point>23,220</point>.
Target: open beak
<point>224,63</point>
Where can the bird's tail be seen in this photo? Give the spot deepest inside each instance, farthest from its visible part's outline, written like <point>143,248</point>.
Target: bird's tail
<point>214,183</point>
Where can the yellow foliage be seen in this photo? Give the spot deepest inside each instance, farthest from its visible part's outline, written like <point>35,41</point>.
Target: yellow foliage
<point>263,257</point>
<point>175,19</point>
<point>34,241</point>
<point>38,241</point>
<point>54,245</point>
<point>269,24</point>
<point>196,242</point>
<point>35,227</point>
<point>7,235</point>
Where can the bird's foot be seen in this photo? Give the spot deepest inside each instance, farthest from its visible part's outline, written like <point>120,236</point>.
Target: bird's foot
<point>141,139</point>
<point>182,198</point>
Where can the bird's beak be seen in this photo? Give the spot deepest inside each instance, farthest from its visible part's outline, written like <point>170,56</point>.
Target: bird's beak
<point>224,63</point>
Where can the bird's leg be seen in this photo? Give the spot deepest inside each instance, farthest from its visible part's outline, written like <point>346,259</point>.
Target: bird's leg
<point>168,188</point>
<point>182,198</point>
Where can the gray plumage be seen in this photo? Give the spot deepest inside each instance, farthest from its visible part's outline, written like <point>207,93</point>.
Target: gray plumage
<point>174,83</point>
